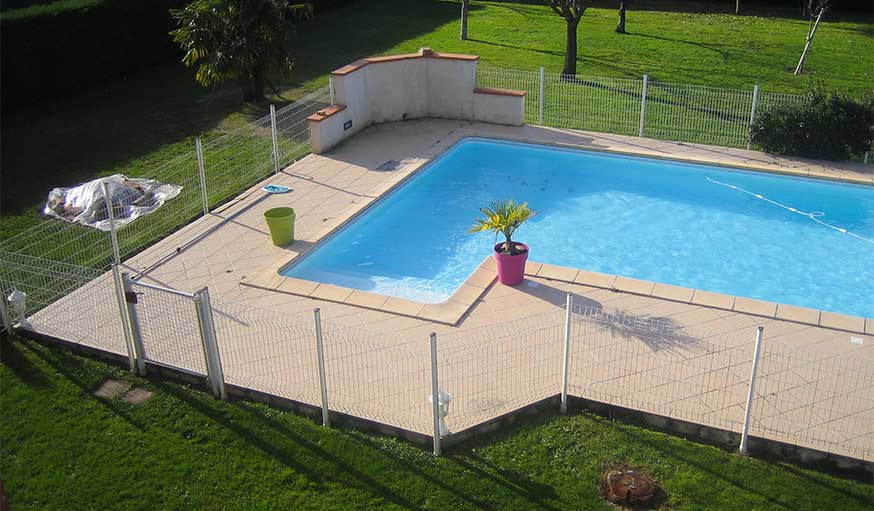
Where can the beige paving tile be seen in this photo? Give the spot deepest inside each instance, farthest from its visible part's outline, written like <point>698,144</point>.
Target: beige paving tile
<point>628,285</point>
<point>399,306</point>
<point>709,299</point>
<point>531,268</point>
<point>800,314</point>
<point>549,271</point>
<point>757,307</point>
<point>842,322</point>
<point>331,293</point>
<point>869,326</point>
<point>467,294</point>
<point>365,299</point>
<point>591,278</point>
<point>482,277</point>
<point>297,286</point>
<point>676,293</point>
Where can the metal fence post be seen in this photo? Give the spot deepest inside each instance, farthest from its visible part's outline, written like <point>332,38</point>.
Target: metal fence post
<point>320,352</point>
<point>125,320</point>
<point>643,106</point>
<point>565,357</point>
<point>752,116</point>
<point>113,236</point>
<point>435,394</point>
<point>214,371</point>
<point>275,140</point>
<point>130,298</point>
<point>5,322</point>
<point>331,88</point>
<point>542,89</point>
<point>201,171</point>
<point>744,438</point>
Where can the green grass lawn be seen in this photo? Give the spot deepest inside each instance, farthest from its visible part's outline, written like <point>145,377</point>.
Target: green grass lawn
<point>63,448</point>
<point>133,124</point>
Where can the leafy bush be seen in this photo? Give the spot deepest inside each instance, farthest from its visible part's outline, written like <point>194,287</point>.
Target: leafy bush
<point>829,126</point>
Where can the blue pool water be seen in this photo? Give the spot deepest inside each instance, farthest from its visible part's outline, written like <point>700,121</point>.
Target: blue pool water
<point>656,220</point>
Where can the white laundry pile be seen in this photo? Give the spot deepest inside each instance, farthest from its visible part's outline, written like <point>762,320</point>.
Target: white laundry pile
<point>131,199</point>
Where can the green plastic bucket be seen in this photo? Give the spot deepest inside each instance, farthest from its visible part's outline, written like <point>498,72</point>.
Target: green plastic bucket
<point>281,224</point>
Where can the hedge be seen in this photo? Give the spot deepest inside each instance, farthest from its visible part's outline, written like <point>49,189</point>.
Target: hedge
<point>828,125</point>
<point>67,46</point>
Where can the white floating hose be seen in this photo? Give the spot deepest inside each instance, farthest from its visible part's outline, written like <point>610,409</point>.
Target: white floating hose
<point>813,215</point>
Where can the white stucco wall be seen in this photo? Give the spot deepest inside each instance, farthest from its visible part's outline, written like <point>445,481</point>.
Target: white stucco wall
<point>386,89</point>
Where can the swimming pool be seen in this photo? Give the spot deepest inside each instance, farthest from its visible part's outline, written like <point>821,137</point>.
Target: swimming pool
<point>741,233</point>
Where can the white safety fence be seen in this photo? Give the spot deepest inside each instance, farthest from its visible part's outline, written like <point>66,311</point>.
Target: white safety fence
<point>639,107</point>
<point>819,401</point>
<point>213,172</point>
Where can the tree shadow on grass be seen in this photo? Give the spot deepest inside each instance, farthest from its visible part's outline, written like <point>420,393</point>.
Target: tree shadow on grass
<point>61,363</point>
<point>285,454</point>
<point>17,362</point>
<point>719,471</point>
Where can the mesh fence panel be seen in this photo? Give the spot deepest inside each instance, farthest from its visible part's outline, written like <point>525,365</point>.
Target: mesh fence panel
<point>652,365</point>
<point>495,370</point>
<point>384,378</point>
<point>170,329</point>
<point>821,400</point>
<point>268,351</point>
<point>692,113</point>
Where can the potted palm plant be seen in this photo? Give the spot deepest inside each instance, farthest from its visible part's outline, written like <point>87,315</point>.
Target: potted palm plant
<point>504,217</point>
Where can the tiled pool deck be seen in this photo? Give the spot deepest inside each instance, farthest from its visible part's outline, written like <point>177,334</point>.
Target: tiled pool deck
<point>229,251</point>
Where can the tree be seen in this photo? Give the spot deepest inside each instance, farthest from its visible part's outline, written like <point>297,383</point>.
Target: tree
<point>623,5</point>
<point>241,40</point>
<point>571,11</point>
<point>465,5</point>
<point>815,10</point>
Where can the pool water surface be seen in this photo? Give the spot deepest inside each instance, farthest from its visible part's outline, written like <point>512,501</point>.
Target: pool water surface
<point>778,238</point>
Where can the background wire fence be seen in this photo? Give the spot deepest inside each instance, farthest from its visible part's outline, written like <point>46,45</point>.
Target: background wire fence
<point>679,112</point>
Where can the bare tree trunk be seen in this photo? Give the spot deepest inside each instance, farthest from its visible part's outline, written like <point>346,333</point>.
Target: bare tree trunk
<point>464,8</point>
<point>620,27</point>
<point>570,54</point>
<point>737,7</point>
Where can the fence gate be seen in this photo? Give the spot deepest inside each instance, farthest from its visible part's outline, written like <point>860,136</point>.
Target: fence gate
<point>174,329</point>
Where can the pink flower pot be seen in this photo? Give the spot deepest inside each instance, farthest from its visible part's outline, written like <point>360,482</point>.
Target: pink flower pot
<point>511,268</point>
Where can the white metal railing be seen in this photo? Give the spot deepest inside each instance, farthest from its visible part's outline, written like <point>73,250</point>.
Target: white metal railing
<point>642,107</point>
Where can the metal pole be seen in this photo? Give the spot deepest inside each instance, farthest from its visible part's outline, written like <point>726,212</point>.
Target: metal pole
<point>201,171</point>
<point>275,142</point>
<point>210,344</point>
<point>435,395</point>
<point>116,257</point>
<point>331,88</point>
<point>744,438</point>
<point>5,322</point>
<point>125,321</point>
<point>320,352</point>
<point>752,116</point>
<point>542,88</point>
<point>866,157</point>
<point>130,298</point>
<point>643,106</point>
<point>569,305</point>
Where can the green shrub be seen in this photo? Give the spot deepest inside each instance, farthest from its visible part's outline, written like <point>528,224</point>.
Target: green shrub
<point>54,49</point>
<point>829,126</point>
